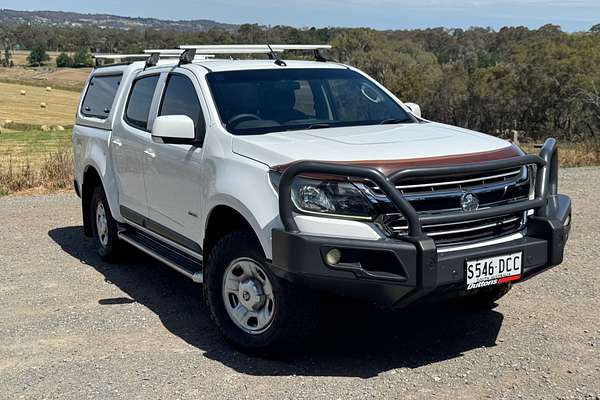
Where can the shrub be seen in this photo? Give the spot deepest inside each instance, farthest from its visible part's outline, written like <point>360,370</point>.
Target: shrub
<point>83,58</point>
<point>64,60</point>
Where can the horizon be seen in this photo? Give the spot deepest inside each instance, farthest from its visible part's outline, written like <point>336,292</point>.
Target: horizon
<point>463,14</point>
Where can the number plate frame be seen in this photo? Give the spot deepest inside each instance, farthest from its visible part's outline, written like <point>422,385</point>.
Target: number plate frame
<point>493,270</point>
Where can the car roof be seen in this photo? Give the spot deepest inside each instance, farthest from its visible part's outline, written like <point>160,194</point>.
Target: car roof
<point>218,65</point>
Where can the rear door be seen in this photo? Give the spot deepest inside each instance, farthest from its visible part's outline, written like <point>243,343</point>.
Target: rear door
<point>172,173</point>
<point>130,143</point>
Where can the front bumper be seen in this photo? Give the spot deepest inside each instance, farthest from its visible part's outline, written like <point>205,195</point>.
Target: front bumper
<point>397,272</point>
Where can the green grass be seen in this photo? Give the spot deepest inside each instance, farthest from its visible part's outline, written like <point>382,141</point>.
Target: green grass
<point>35,161</point>
<point>32,146</point>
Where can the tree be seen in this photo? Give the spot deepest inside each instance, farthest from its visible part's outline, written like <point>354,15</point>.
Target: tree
<point>82,58</point>
<point>64,60</point>
<point>37,56</point>
<point>6,60</point>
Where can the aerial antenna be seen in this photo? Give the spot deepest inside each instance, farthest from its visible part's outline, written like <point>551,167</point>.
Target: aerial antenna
<point>274,56</point>
<point>187,57</point>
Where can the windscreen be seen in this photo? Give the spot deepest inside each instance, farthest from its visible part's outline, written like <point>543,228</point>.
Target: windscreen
<point>262,101</point>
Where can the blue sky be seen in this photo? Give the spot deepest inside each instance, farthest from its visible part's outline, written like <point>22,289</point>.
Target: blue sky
<point>572,15</point>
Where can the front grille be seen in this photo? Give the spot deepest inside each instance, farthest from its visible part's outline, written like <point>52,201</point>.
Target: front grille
<point>464,232</point>
<point>443,194</point>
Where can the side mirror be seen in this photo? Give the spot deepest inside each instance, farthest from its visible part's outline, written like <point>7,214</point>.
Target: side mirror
<point>415,108</point>
<point>174,129</point>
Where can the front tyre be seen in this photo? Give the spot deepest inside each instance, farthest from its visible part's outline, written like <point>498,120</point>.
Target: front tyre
<point>104,226</point>
<point>255,310</point>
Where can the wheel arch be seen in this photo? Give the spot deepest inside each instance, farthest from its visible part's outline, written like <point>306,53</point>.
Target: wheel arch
<point>91,178</point>
<point>225,218</point>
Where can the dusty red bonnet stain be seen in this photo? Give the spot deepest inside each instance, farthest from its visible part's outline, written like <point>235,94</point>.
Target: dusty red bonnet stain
<point>389,166</point>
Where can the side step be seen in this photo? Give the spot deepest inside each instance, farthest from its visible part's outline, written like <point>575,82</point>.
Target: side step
<point>179,261</point>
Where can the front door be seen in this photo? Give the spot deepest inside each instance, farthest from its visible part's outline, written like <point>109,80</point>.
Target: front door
<point>173,171</point>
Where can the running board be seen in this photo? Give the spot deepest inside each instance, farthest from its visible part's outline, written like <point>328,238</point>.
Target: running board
<point>179,261</point>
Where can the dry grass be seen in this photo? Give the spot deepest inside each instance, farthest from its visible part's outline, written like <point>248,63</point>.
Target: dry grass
<point>35,161</point>
<point>574,154</point>
<point>62,78</point>
<point>55,172</point>
<point>20,57</point>
<point>60,105</point>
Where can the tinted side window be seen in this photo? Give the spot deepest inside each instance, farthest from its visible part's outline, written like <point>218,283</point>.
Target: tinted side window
<point>100,95</point>
<point>140,100</point>
<point>180,98</point>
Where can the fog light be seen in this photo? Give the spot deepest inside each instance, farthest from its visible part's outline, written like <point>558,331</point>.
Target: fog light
<point>333,256</point>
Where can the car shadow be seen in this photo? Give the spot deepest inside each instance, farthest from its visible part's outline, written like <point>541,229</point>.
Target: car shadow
<point>356,340</point>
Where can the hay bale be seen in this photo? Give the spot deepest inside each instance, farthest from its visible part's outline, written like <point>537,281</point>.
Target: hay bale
<point>48,89</point>
<point>43,105</point>
<point>45,128</point>
<point>59,128</point>
<point>23,92</point>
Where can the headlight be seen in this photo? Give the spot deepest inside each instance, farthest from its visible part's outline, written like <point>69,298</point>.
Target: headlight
<point>333,198</point>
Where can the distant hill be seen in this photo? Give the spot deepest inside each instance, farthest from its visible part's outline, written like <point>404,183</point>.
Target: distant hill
<point>107,21</point>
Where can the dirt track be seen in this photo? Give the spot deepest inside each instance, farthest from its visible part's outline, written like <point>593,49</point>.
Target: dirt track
<point>72,326</point>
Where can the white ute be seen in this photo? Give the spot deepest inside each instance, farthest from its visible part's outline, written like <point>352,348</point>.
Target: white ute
<point>274,181</point>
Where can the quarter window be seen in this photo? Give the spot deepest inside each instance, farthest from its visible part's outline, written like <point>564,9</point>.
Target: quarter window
<point>140,100</point>
<point>180,98</point>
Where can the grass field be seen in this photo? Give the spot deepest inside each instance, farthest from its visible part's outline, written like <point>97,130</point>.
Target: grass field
<point>62,78</point>
<point>20,57</point>
<point>21,148</point>
<point>25,109</point>
<point>35,161</point>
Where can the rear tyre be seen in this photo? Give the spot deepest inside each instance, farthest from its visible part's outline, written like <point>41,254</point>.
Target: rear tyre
<point>485,298</point>
<point>104,226</point>
<point>254,310</point>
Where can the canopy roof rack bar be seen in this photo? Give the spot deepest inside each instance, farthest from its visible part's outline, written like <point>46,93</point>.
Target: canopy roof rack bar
<point>175,53</point>
<point>202,52</point>
<point>253,48</point>
<point>118,56</point>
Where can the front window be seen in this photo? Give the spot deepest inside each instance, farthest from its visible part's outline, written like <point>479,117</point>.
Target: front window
<point>262,101</point>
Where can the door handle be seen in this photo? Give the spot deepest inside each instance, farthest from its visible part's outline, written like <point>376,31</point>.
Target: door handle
<point>117,142</point>
<point>150,153</point>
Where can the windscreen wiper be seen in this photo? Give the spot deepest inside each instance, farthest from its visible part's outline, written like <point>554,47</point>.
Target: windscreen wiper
<point>319,126</point>
<point>391,121</point>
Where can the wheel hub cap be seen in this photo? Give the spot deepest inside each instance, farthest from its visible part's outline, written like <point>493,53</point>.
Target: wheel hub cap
<point>248,296</point>
<point>101,224</point>
<point>251,294</point>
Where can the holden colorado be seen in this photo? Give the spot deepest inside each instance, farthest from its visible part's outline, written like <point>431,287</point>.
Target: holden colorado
<point>272,182</point>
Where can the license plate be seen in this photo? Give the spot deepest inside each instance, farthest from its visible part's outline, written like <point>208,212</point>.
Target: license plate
<point>493,270</point>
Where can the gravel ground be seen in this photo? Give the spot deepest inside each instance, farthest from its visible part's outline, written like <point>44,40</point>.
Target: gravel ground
<point>74,327</point>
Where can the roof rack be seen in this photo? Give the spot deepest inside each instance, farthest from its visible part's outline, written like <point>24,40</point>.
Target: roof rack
<point>202,52</point>
<point>253,48</point>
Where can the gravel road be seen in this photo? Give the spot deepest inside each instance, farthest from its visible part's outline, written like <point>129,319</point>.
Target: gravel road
<point>74,327</point>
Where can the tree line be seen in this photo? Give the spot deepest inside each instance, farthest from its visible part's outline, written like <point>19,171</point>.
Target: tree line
<point>538,82</point>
